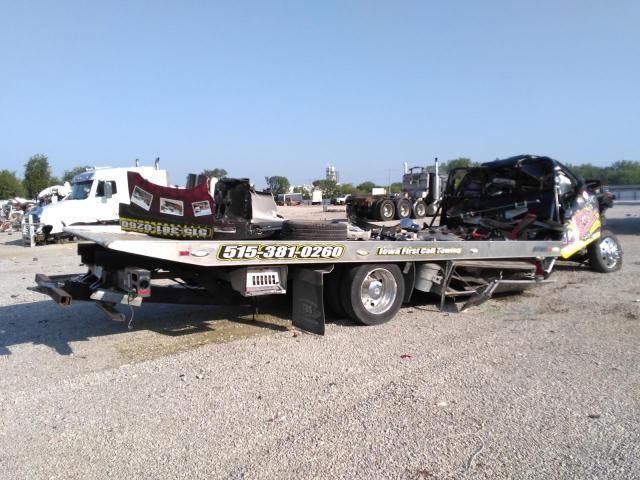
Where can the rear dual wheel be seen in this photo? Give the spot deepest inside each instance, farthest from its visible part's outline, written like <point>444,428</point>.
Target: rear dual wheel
<point>332,292</point>
<point>419,209</point>
<point>384,209</point>
<point>370,294</point>
<point>403,208</point>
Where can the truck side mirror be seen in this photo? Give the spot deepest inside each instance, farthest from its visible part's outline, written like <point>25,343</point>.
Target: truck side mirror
<point>108,189</point>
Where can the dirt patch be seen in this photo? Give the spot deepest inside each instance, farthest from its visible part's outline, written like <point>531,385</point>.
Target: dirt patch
<point>167,336</point>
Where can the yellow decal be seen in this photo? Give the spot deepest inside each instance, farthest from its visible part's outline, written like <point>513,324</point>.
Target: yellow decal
<point>163,229</point>
<point>419,251</point>
<point>278,252</point>
<point>581,230</point>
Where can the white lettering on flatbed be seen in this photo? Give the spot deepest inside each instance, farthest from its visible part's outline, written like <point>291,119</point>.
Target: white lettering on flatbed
<point>408,251</point>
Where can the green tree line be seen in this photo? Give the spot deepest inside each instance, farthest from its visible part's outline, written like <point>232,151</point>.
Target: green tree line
<point>623,172</point>
<point>37,176</point>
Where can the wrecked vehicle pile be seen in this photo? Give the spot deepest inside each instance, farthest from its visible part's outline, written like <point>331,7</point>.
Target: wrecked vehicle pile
<point>12,213</point>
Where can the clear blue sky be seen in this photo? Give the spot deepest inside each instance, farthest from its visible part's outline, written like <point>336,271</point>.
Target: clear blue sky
<point>286,87</point>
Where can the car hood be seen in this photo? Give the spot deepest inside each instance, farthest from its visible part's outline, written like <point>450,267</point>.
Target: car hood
<point>68,212</point>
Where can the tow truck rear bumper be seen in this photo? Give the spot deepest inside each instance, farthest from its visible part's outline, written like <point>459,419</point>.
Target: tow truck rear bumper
<point>63,288</point>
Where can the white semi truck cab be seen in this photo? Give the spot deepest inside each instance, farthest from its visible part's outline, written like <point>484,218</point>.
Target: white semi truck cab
<point>94,199</point>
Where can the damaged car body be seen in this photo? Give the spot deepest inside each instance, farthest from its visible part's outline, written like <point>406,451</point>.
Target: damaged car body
<point>530,197</point>
<point>232,209</point>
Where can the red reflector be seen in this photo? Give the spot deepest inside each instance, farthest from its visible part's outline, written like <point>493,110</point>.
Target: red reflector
<point>184,253</point>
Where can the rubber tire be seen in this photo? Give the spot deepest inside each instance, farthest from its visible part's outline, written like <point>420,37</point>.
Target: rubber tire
<point>603,220</point>
<point>387,206</point>
<point>374,212</point>
<point>419,209</point>
<point>351,298</point>
<point>313,230</point>
<point>332,294</point>
<point>403,204</point>
<point>596,261</point>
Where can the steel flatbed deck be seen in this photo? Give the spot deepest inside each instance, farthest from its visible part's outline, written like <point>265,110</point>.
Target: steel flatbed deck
<point>225,253</point>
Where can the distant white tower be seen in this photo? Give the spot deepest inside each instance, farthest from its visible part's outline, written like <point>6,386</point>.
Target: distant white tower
<point>332,173</point>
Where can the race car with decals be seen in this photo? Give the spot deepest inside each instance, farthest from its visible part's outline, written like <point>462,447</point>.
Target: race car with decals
<point>502,228</point>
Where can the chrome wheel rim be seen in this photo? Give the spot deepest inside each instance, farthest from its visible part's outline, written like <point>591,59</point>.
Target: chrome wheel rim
<point>404,210</point>
<point>387,210</point>
<point>378,291</point>
<point>610,252</point>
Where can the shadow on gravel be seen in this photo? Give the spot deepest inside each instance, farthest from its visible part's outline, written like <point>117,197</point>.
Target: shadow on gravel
<point>44,323</point>
<point>17,241</point>
<point>567,266</point>
<point>629,225</point>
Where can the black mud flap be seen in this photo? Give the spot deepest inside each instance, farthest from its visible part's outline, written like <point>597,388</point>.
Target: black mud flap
<point>308,299</point>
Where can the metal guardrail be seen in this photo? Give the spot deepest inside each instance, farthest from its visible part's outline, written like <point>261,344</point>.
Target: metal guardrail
<point>625,192</point>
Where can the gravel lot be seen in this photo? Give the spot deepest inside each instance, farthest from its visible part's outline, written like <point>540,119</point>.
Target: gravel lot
<point>539,385</point>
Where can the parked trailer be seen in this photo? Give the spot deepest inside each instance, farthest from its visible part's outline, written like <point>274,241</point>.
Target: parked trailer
<point>367,281</point>
<point>420,197</point>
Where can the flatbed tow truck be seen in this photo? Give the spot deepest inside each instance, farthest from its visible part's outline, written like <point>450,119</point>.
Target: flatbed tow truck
<point>366,280</point>
<point>504,225</point>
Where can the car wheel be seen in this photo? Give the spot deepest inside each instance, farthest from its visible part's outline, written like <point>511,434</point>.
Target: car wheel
<point>605,254</point>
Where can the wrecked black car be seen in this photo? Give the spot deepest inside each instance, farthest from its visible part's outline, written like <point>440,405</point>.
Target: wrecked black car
<point>530,197</point>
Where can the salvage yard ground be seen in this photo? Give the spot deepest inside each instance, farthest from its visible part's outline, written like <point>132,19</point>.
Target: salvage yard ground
<point>539,385</point>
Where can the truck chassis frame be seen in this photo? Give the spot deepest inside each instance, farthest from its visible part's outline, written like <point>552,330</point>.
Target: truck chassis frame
<point>366,280</point>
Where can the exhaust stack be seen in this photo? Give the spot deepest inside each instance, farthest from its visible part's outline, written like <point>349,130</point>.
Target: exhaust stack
<point>436,184</point>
